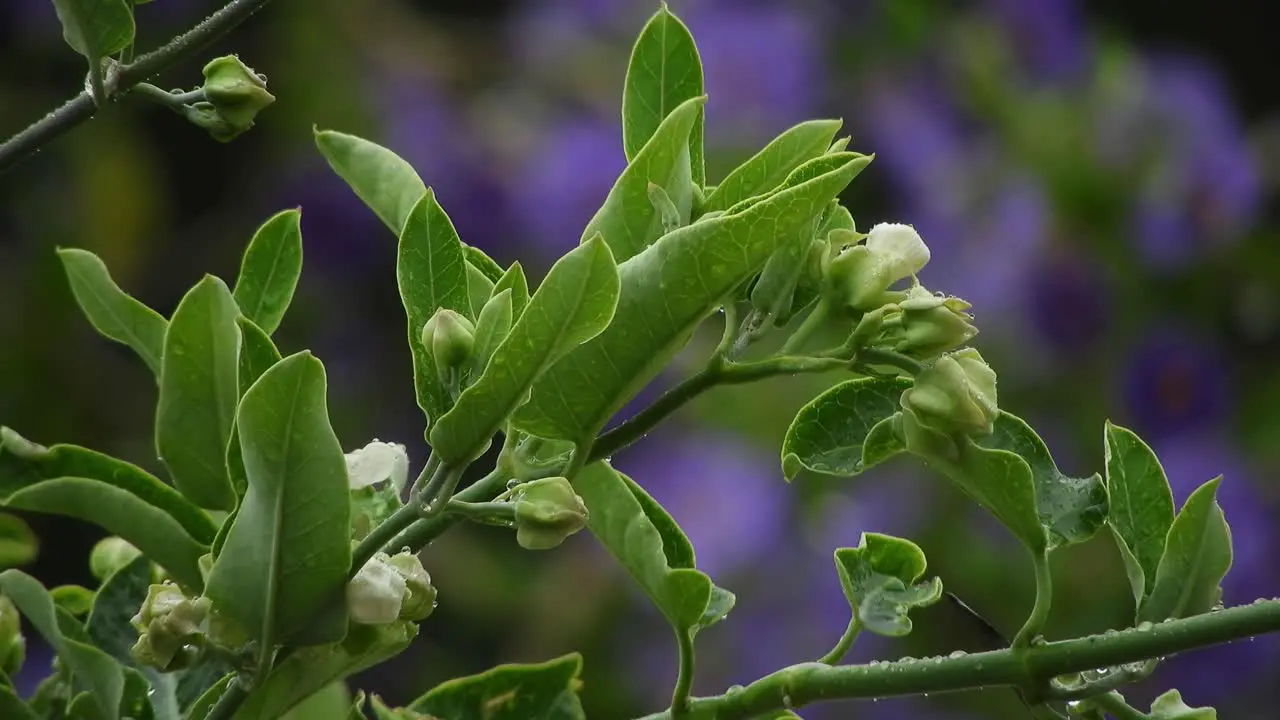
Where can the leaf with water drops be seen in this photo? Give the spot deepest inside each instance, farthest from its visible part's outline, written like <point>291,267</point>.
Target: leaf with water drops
<point>830,432</point>
<point>545,691</point>
<point>881,581</point>
<point>1141,506</point>
<point>1197,555</point>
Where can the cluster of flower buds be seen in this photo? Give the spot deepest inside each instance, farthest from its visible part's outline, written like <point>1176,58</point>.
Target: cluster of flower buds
<point>171,628</point>
<point>450,337</point>
<point>13,646</point>
<point>377,474</point>
<point>953,397</point>
<point>546,512</point>
<point>860,276</point>
<point>926,325</point>
<point>390,588</point>
<point>233,96</point>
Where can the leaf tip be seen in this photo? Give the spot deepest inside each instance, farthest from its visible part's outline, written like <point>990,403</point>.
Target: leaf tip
<point>791,466</point>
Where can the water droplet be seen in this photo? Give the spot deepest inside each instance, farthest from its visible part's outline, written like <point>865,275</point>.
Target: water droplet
<point>1145,625</point>
<point>906,659</point>
<point>957,654</point>
<point>512,484</point>
<point>786,701</point>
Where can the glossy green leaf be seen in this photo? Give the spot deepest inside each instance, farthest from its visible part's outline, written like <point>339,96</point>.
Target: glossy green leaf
<point>75,599</point>
<point>332,702</point>
<point>18,544</point>
<point>270,269</point>
<point>664,72</point>
<point>200,709</point>
<point>137,702</point>
<point>96,671</point>
<point>112,312</point>
<point>309,670</point>
<point>1071,509</point>
<point>1141,504</point>
<point>628,220</point>
<point>666,291</point>
<point>775,288</point>
<point>572,305</point>
<point>509,692</point>
<point>95,28</point>
<point>515,281</point>
<point>1197,555</point>
<point>886,608</point>
<point>883,441</point>
<point>881,580</point>
<point>431,270</point>
<point>379,177</point>
<point>287,555</point>
<point>492,327</point>
<point>1169,706</point>
<point>668,213</point>
<point>829,433</point>
<point>257,355</point>
<point>482,262</point>
<point>479,289</point>
<point>198,394</point>
<point>110,493</point>
<point>11,706</point>
<point>766,170</point>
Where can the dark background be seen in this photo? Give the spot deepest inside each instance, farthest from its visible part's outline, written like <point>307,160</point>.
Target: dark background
<point>1099,179</point>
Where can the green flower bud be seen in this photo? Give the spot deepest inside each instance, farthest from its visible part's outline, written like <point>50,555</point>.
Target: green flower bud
<point>376,594</point>
<point>860,276</point>
<point>235,95</point>
<point>109,555</point>
<point>13,646</point>
<point>547,511</point>
<point>171,628</point>
<point>930,324</point>
<point>419,595</point>
<point>450,337</point>
<point>954,396</point>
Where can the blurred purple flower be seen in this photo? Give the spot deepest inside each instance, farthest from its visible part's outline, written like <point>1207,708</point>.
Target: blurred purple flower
<point>339,229</point>
<point>1049,35</point>
<point>1175,383</point>
<point>37,667</point>
<point>919,142</point>
<point>1067,303</point>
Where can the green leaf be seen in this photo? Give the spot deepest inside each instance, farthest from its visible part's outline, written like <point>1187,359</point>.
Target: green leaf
<point>492,327</point>
<point>628,220</point>
<point>94,669</point>
<point>95,28</point>
<point>766,170</point>
<point>666,291</point>
<point>1071,509</point>
<point>482,262</point>
<point>431,270</point>
<point>332,702</point>
<point>1141,504</point>
<point>668,213</point>
<point>829,433</point>
<point>379,177</point>
<point>138,698</point>
<point>287,555</point>
<point>198,393</point>
<point>12,707</point>
<point>883,441</point>
<point>1170,706</point>
<point>647,542</point>
<point>479,289</point>
<point>881,580</point>
<point>110,493</point>
<point>112,312</point>
<point>1197,555</point>
<point>257,355</point>
<point>886,608</point>
<point>75,599</point>
<point>664,72</point>
<point>203,705</point>
<point>574,304</point>
<point>18,544</point>
<point>508,692</point>
<point>308,670</point>
<point>515,281</point>
<point>270,269</point>
<point>775,288</point>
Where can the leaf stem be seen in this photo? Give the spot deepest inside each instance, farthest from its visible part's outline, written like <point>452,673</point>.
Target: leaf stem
<point>82,107</point>
<point>810,325</point>
<point>878,356</point>
<point>1044,600</point>
<point>229,702</point>
<point>842,647</point>
<point>1113,703</point>
<point>423,531</point>
<point>381,536</point>
<point>172,100</point>
<point>684,678</point>
<point>486,513</point>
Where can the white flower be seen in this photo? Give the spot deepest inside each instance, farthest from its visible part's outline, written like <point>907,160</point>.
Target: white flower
<point>899,248</point>
<point>375,594</point>
<point>376,462</point>
<point>861,275</point>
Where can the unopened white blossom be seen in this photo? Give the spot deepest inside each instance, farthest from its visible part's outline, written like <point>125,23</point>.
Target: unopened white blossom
<point>376,462</point>
<point>375,594</point>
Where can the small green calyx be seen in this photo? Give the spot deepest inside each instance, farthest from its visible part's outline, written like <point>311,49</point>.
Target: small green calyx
<point>13,646</point>
<point>547,511</point>
<point>860,276</point>
<point>956,396</point>
<point>171,628</point>
<point>929,325</point>
<point>109,555</point>
<point>450,337</point>
<point>234,95</point>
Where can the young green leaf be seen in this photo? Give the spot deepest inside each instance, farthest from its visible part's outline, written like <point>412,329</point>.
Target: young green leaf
<point>309,670</point>
<point>11,706</point>
<point>574,304</point>
<point>431,271</point>
<point>492,327</point>
<point>664,72</point>
<point>666,291</point>
<point>122,498</point>
<point>828,435</point>
<point>203,705</point>
<point>482,262</point>
<point>384,181</point>
<point>509,692</point>
<point>886,608</point>
<point>774,290</point>
<point>270,269</point>
<point>883,441</point>
<point>77,600</point>
<point>1169,706</point>
<point>198,394</point>
<point>112,312</point>
<point>287,555</point>
<point>479,290</point>
<point>257,355</point>
<point>18,543</point>
<point>766,170</point>
<point>513,279</point>
<point>1197,555</point>
<point>94,670</point>
<point>1141,505</point>
<point>881,580</point>
<point>95,28</point>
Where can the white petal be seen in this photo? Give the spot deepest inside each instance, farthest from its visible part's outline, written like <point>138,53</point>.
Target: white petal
<point>899,245</point>
<point>376,462</point>
<point>375,594</point>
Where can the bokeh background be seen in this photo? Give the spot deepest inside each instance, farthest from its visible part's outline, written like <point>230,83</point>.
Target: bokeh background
<point>1098,178</point>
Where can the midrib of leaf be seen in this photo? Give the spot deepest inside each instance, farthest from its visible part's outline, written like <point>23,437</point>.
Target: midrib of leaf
<point>126,328</point>
<point>221,409</point>
<point>271,274</point>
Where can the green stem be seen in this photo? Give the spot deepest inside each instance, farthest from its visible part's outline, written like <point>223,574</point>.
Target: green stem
<point>172,100</point>
<point>423,531</point>
<point>729,374</point>
<point>487,513</point>
<point>230,701</point>
<point>878,356</point>
<point>439,490</point>
<point>82,107</point>
<point>381,536</point>
<point>1028,668</point>
<point>1044,600</point>
<point>1113,703</point>
<point>810,325</point>
<point>684,678</point>
<point>731,328</point>
<point>846,642</point>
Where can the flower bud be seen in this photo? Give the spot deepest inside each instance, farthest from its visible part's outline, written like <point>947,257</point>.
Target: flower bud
<point>954,396</point>
<point>860,276</point>
<point>930,324</point>
<point>171,627</point>
<point>109,555</point>
<point>547,511</point>
<point>234,94</point>
<point>376,594</point>
<point>419,595</point>
<point>13,646</point>
<point>376,462</point>
<point>450,337</point>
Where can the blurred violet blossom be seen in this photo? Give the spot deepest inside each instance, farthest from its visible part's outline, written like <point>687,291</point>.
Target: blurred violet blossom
<point>1176,383</point>
<point>1067,295</point>
<point>1049,35</point>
